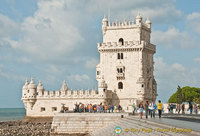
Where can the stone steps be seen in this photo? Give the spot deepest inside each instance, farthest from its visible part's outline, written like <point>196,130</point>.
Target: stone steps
<point>133,122</point>
<point>82,123</point>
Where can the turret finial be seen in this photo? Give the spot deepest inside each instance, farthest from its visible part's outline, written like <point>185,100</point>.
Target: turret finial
<point>32,82</point>
<point>64,86</point>
<point>40,83</point>
<point>26,83</point>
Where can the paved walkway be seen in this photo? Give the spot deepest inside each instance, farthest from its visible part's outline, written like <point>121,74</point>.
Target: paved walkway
<point>132,125</point>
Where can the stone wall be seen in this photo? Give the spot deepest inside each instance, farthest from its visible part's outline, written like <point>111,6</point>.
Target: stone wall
<point>83,123</point>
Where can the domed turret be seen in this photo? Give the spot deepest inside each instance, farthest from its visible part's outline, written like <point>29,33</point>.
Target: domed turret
<point>40,88</point>
<point>25,93</point>
<point>64,88</point>
<point>102,88</point>
<point>138,19</point>
<point>31,94</point>
<point>25,87</point>
<point>148,22</point>
<point>104,24</point>
<point>102,84</point>
<point>32,85</point>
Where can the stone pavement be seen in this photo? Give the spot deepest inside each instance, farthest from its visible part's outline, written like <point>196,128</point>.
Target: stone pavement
<point>132,125</point>
<point>82,123</point>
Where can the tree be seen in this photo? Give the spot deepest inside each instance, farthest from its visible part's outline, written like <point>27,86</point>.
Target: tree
<point>188,95</point>
<point>179,97</point>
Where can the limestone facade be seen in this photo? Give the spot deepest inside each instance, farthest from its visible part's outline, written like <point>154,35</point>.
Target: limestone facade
<point>124,74</point>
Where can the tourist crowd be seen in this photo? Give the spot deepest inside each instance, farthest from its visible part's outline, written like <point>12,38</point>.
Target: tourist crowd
<point>96,108</point>
<point>181,107</point>
<point>149,108</point>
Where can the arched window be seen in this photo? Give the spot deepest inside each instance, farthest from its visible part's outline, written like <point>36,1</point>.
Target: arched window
<point>120,70</point>
<point>120,85</point>
<point>121,40</point>
<point>118,55</point>
<point>121,55</point>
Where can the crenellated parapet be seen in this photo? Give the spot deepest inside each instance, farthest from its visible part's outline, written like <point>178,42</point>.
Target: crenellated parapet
<point>130,24</point>
<point>128,45</point>
<point>38,92</point>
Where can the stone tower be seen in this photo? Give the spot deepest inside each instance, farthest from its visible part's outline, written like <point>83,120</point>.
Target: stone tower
<point>126,61</point>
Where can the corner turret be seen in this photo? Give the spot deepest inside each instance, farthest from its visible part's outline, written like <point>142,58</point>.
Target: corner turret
<point>138,19</point>
<point>25,93</point>
<point>40,89</point>
<point>148,22</point>
<point>102,86</point>
<point>64,88</point>
<point>31,94</point>
<point>104,24</point>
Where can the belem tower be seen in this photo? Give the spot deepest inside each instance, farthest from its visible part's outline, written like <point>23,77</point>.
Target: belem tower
<point>124,74</point>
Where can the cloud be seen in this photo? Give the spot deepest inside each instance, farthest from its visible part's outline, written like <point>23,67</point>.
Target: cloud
<point>193,21</point>
<point>8,27</point>
<point>174,38</point>
<point>56,32</point>
<point>78,78</point>
<point>50,33</point>
<point>10,75</point>
<point>11,58</point>
<point>92,63</point>
<point>169,76</point>
<point>158,11</point>
<point>197,60</point>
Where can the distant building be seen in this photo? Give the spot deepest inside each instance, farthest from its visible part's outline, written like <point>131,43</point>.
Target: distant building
<point>125,73</point>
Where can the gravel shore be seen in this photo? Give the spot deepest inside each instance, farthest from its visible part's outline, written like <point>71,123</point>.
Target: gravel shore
<point>26,127</point>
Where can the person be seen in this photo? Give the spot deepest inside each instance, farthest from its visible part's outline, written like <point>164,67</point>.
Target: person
<point>171,108</point>
<point>115,108</point>
<point>74,108</point>
<point>183,108</point>
<point>89,107</point>
<point>103,107</point>
<point>109,107</point>
<point>159,105</point>
<point>146,107</point>
<point>190,107</point>
<point>154,111</point>
<point>98,108</point>
<point>80,106</point>
<point>151,108</point>
<point>112,108</point>
<point>168,107</point>
<point>179,108</point>
<point>94,108</point>
<point>195,109</point>
<point>163,108</point>
<point>141,107</point>
<point>119,108</point>
<point>134,108</point>
<point>106,108</point>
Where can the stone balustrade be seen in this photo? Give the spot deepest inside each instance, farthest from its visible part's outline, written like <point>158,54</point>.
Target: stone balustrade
<point>127,45</point>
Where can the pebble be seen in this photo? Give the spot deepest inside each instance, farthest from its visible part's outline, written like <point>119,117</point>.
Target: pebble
<point>20,128</point>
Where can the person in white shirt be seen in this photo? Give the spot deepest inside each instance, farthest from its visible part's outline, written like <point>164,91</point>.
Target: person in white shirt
<point>151,107</point>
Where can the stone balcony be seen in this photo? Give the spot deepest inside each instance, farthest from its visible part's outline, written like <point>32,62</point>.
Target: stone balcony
<point>133,45</point>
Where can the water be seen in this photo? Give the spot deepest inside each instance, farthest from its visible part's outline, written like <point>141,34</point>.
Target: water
<point>11,114</point>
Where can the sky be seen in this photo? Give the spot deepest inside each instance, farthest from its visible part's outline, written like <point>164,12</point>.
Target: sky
<point>53,40</point>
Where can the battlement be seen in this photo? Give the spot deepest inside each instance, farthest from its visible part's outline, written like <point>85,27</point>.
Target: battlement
<point>70,94</point>
<point>40,93</point>
<point>126,25</point>
<point>127,45</point>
